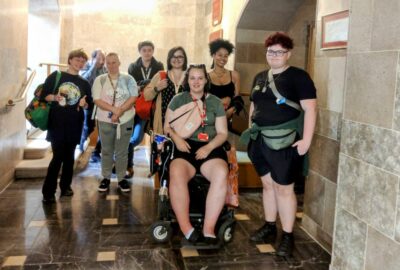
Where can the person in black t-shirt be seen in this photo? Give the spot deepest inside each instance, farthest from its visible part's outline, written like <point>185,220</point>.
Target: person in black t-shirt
<point>66,116</point>
<point>277,167</point>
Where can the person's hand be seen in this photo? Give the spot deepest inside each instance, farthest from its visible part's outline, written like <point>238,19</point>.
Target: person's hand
<point>302,147</point>
<point>181,144</point>
<point>161,85</point>
<point>82,102</point>
<point>116,111</point>
<point>225,102</point>
<point>229,112</point>
<point>203,151</point>
<point>115,118</point>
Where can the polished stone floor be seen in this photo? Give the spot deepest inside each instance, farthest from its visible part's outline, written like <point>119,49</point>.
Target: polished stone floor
<point>93,230</point>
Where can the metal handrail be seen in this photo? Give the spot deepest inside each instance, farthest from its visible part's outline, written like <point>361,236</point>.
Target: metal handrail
<point>49,65</point>
<point>23,90</point>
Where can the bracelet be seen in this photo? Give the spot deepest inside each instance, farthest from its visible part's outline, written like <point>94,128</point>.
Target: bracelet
<point>156,90</point>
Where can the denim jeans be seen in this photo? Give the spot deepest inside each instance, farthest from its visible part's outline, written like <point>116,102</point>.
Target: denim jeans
<point>136,138</point>
<point>88,127</point>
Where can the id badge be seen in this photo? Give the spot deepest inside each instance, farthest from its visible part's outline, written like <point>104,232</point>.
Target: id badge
<point>202,136</point>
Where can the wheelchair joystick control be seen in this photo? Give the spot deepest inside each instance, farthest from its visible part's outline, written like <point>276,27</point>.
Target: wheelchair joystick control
<point>163,193</point>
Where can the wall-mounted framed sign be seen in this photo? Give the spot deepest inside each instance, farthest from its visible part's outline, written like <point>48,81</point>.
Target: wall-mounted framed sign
<point>215,35</point>
<point>335,29</point>
<point>217,12</point>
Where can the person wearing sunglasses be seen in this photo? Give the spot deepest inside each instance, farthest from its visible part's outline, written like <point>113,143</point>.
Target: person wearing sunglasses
<point>278,167</point>
<point>201,153</point>
<point>164,89</point>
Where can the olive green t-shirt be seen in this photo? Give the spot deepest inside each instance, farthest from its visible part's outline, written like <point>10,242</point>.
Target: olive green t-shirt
<point>214,109</point>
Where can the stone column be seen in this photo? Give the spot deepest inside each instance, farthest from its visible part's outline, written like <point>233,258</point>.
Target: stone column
<point>367,226</point>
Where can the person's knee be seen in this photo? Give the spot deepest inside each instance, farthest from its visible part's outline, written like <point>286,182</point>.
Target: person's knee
<point>267,182</point>
<point>284,190</point>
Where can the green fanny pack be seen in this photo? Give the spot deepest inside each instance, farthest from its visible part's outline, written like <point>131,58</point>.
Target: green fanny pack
<point>278,139</point>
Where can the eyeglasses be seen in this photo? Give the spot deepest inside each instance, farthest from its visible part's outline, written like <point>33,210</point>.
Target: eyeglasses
<point>179,57</point>
<point>279,53</point>
<point>197,66</point>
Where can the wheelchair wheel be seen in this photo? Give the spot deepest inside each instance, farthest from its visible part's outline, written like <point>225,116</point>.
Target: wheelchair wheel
<point>225,232</point>
<point>161,231</point>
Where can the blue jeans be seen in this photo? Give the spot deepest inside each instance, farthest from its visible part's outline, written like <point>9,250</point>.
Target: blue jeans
<point>136,138</point>
<point>88,127</point>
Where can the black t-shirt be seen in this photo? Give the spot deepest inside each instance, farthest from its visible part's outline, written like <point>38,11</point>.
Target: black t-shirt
<point>293,83</point>
<point>65,122</point>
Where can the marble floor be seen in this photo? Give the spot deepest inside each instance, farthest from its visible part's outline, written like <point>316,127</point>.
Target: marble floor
<point>93,230</point>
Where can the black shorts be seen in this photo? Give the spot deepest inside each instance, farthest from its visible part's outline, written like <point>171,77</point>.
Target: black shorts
<point>218,152</point>
<point>284,164</point>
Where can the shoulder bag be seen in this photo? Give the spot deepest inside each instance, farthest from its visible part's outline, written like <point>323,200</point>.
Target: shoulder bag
<point>37,111</point>
<point>186,119</point>
<point>278,139</point>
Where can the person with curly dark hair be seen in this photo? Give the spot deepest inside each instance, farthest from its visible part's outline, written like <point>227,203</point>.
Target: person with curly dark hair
<point>225,83</point>
<point>294,111</point>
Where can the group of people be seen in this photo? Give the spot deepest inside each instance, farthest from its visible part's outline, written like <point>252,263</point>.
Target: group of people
<point>114,95</point>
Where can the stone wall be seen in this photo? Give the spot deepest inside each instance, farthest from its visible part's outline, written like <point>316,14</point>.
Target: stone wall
<point>329,76</point>
<point>367,226</point>
<point>13,63</point>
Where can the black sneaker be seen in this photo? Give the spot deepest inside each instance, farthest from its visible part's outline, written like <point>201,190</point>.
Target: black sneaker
<point>195,237</point>
<point>212,241</point>
<point>68,192</point>
<point>104,185</point>
<point>129,172</point>
<point>49,199</point>
<point>124,185</point>
<point>286,246</point>
<point>267,233</point>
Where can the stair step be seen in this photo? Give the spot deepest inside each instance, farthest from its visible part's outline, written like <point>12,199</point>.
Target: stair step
<point>37,168</point>
<point>36,149</point>
<point>33,168</point>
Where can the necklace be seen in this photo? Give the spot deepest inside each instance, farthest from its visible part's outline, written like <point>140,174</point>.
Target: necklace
<point>221,74</point>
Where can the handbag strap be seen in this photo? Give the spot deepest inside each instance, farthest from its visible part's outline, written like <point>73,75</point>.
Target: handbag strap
<point>58,77</point>
<point>279,98</point>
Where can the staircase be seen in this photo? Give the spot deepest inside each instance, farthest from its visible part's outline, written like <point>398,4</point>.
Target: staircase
<point>37,156</point>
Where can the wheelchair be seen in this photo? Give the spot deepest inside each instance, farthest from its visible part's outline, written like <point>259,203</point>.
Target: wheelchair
<point>162,151</point>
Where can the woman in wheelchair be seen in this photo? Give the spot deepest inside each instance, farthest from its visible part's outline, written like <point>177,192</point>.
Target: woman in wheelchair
<point>201,152</point>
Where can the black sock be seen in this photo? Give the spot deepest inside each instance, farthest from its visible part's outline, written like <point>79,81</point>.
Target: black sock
<point>287,233</point>
<point>270,224</point>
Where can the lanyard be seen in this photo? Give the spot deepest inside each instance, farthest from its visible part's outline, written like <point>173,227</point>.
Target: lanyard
<point>202,114</point>
<point>114,87</point>
<point>176,85</point>
<point>145,74</point>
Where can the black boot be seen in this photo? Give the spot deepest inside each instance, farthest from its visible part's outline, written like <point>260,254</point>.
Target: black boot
<point>267,233</point>
<point>286,246</point>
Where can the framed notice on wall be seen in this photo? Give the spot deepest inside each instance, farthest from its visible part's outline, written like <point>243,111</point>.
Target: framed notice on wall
<point>216,12</point>
<point>335,29</point>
